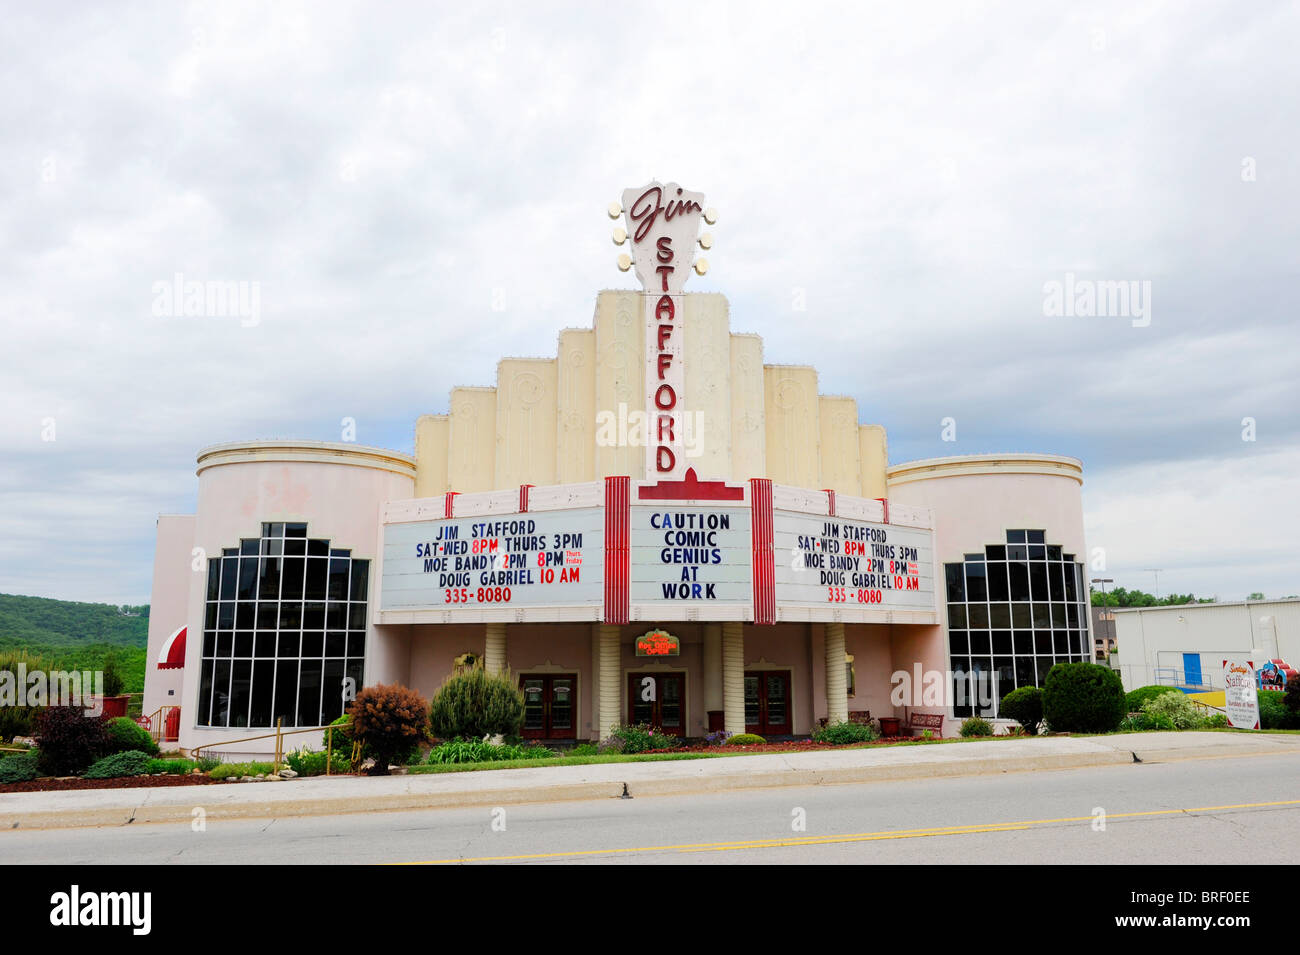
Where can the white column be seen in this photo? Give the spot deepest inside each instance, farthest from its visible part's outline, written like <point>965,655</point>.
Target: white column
<point>712,667</point>
<point>837,695</point>
<point>494,652</point>
<point>609,710</point>
<point>733,677</point>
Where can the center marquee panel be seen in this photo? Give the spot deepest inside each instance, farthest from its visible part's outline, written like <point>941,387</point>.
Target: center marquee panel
<point>539,559</point>
<point>689,556</point>
<point>830,561</point>
<point>665,559</point>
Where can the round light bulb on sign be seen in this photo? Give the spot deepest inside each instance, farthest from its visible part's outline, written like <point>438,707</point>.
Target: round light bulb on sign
<point>620,235</point>
<point>624,262</point>
<point>711,216</point>
<point>701,266</point>
<point>615,210</point>
<point>706,241</point>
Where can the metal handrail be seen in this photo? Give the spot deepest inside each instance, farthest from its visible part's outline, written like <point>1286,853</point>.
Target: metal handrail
<point>158,726</point>
<point>279,735</point>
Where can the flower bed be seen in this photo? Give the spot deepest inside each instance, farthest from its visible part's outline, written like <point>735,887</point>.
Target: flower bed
<point>52,783</point>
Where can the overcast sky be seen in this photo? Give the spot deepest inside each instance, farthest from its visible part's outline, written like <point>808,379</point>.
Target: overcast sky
<point>916,174</point>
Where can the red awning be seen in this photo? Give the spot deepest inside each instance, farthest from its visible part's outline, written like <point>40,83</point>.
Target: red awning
<point>172,656</point>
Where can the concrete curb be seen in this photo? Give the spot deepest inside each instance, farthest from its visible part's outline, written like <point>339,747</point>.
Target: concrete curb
<point>602,781</point>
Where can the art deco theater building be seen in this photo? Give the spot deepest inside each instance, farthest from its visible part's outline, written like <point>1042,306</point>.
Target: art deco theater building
<point>655,525</point>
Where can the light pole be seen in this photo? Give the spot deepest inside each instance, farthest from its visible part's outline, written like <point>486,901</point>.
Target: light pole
<point>1105,606</point>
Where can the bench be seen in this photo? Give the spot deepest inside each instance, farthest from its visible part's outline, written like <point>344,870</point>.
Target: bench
<point>926,721</point>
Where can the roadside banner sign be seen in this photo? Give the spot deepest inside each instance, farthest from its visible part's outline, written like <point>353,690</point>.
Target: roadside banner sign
<point>1240,699</point>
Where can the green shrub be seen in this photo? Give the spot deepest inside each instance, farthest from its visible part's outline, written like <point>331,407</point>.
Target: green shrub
<point>846,732</point>
<point>225,770</point>
<point>1292,696</point>
<point>473,703</point>
<point>477,751</point>
<point>976,726</point>
<point>585,749</point>
<point>130,762</point>
<point>1083,698</point>
<point>1217,721</point>
<point>1137,722</point>
<point>636,738</point>
<point>306,762</point>
<point>1135,698</point>
<point>69,740</point>
<point>1025,706</point>
<point>18,767</point>
<point>389,721</point>
<point>18,720</point>
<point>114,681</point>
<point>126,734</point>
<point>1273,712</point>
<point>342,737</point>
<point>745,739</point>
<point>1176,708</point>
<point>207,763</point>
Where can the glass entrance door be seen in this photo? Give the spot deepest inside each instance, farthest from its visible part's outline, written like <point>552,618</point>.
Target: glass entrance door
<point>550,706</point>
<point>658,699</point>
<point>767,703</point>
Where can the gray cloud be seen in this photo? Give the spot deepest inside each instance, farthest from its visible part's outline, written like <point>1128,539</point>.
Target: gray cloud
<point>383,173</point>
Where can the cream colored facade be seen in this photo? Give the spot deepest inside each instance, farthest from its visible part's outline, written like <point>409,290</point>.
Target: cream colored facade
<point>539,423</point>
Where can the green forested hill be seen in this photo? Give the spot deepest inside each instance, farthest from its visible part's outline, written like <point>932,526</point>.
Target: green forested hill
<point>66,635</point>
<point>42,622</point>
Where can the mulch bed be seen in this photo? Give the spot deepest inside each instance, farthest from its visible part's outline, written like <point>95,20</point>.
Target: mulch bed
<point>124,782</point>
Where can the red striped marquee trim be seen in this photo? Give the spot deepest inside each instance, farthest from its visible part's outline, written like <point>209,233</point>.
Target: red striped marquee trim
<point>447,510</point>
<point>761,532</point>
<point>523,498</point>
<point>830,501</point>
<point>884,501</point>
<point>617,552</point>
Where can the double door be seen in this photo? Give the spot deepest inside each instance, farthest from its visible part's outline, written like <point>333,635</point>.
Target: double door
<point>550,706</point>
<point>658,699</point>
<point>767,703</point>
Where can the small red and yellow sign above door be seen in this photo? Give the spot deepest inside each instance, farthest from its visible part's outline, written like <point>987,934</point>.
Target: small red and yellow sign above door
<point>658,643</point>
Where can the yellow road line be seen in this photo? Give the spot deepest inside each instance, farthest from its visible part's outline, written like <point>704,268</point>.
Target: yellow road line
<point>789,842</point>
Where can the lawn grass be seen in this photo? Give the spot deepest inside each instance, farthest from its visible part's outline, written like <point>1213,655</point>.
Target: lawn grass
<point>558,761</point>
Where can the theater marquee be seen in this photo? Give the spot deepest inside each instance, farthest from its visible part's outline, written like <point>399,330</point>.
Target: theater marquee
<point>619,551</point>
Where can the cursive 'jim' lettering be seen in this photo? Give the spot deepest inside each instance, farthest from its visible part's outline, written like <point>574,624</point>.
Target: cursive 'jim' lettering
<point>650,203</point>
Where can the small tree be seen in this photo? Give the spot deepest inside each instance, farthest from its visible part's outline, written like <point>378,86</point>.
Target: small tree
<point>389,720</point>
<point>113,680</point>
<point>69,740</point>
<point>1025,706</point>
<point>18,720</point>
<point>474,703</point>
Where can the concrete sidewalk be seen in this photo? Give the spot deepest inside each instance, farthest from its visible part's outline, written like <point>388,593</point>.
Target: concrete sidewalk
<point>326,796</point>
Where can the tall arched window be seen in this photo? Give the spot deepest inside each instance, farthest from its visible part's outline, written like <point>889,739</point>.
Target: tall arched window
<point>1014,611</point>
<point>284,632</point>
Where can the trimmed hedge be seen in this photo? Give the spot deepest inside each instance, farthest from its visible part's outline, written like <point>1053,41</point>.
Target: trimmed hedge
<point>1083,698</point>
<point>1273,712</point>
<point>126,734</point>
<point>1136,698</point>
<point>1025,706</point>
<point>132,762</point>
<point>18,768</point>
<point>745,739</point>
<point>846,732</point>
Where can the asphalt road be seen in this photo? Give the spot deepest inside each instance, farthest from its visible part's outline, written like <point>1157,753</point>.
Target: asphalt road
<point>1207,811</point>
